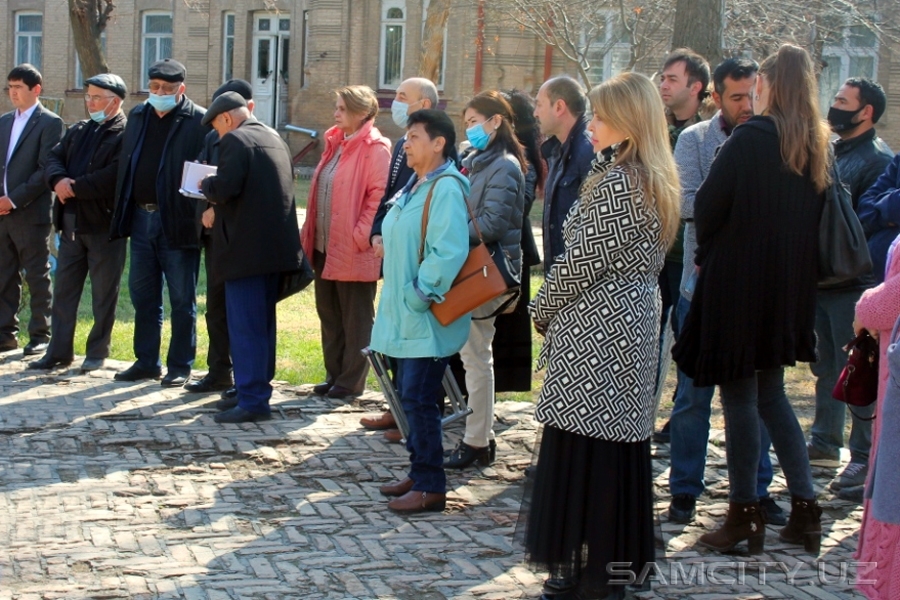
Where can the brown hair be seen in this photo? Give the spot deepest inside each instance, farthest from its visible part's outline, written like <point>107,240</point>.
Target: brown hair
<point>492,103</point>
<point>794,107</point>
<point>359,99</point>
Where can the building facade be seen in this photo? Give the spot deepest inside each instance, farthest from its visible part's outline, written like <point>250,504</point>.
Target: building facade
<point>295,53</point>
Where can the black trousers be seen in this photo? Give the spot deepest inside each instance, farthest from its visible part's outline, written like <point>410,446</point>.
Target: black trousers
<point>104,261</point>
<point>219,356</point>
<point>24,246</point>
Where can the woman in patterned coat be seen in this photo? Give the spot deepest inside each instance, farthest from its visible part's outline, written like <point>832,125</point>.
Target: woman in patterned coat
<point>599,308</point>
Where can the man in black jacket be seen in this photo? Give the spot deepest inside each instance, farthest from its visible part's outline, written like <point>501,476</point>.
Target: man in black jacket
<point>255,240</point>
<point>26,136</point>
<point>160,136</point>
<point>219,356</point>
<point>82,170</point>
<point>860,156</point>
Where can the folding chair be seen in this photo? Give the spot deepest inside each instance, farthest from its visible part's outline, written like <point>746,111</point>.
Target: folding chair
<point>458,407</point>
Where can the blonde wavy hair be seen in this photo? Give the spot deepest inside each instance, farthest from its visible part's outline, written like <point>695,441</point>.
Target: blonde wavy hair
<point>630,104</point>
<point>794,106</point>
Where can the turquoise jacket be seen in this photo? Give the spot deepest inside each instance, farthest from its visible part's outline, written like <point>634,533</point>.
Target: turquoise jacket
<point>404,326</point>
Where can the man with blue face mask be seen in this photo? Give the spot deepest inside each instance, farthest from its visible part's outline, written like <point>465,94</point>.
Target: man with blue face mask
<point>162,133</point>
<point>82,170</point>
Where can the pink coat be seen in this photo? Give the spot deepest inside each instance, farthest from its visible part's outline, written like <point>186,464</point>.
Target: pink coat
<point>879,543</point>
<point>358,187</point>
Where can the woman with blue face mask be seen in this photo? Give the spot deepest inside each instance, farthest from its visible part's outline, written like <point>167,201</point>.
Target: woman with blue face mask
<point>496,169</point>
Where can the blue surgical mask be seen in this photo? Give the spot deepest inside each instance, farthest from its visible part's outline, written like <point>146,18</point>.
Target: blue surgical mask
<point>478,137</point>
<point>163,103</point>
<point>399,113</point>
<point>100,115</point>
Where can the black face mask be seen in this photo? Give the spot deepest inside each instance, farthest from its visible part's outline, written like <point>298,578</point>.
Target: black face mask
<point>841,121</point>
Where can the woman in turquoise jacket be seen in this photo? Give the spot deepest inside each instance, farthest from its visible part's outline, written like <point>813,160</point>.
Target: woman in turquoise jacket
<point>405,329</point>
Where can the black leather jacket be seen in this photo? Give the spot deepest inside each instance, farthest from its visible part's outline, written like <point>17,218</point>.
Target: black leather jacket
<point>860,160</point>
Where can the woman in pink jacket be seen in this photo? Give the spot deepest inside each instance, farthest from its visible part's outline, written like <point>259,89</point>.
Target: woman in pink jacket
<point>346,188</point>
<point>879,538</point>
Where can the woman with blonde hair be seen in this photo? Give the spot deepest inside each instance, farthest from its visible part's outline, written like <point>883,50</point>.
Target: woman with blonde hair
<point>346,189</point>
<point>753,311</point>
<point>591,501</point>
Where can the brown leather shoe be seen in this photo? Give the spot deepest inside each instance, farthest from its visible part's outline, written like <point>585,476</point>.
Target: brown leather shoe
<point>398,488</point>
<point>416,502</point>
<point>382,421</point>
<point>393,436</point>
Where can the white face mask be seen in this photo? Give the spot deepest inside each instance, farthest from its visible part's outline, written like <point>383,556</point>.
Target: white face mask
<point>399,112</point>
<point>100,115</point>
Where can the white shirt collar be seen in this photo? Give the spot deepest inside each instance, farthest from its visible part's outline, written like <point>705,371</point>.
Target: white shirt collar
<point>27,113</point>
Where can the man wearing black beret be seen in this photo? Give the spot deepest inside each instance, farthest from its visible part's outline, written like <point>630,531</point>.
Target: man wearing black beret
<point>162,133</point>
<point>219,356</point>
<point>253,194</point>
<point>82,170</point>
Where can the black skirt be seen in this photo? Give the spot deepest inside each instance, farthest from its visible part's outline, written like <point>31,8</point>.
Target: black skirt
<point>589,504</point>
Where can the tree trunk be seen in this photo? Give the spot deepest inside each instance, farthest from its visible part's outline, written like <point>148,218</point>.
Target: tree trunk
<point>432,58</point>
<point>88,19</point>
<point>699,26</point>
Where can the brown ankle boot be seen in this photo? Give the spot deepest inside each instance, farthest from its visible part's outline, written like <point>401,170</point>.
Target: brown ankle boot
<point>804,526</point>
<point>744,522</point>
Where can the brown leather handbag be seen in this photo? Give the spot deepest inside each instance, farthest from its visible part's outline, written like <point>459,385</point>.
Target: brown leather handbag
<point>487,274</point>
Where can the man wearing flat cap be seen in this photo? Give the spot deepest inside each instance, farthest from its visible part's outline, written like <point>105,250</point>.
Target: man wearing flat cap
<point>256,238</point>
<point>82,170</point>
<point>26,136</point>
<point>162,133</point>
<point>219,356</point>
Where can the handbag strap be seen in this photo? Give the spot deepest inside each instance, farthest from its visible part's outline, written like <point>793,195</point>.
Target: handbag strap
<point>427,206</point>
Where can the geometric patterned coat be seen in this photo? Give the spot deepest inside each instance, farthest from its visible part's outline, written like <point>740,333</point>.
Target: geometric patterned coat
<point>601,304</point>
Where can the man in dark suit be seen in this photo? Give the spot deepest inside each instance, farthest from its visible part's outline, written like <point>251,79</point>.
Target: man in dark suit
<point>81,169</point>
<point>219,355</point>
<point>26,136</point>
<point>160,136</point>
<point>255,239</point>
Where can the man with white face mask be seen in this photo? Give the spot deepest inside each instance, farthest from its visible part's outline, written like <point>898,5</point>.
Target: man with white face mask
<point>82,170</point>
<point>160,136</point>
<point>413,94</point>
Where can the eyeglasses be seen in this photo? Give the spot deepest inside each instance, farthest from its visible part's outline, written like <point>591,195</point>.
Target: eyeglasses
<point>89,98</point>
<point>163,90</point>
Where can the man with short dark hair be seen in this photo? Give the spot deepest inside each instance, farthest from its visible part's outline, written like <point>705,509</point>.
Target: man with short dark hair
<point>860,157</point>
<point>82,170</point>
<point>219,377</point>
<point>26,136</point>
<point>560,108</point>
<point>683,84</point>
<point>253,194</point>
<point>733,82</point>
<point>160,136</point>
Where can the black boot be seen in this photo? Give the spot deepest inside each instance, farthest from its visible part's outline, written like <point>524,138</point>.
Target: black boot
<point>744,522</point>
<point>804,526</point>
<point>464,455</point>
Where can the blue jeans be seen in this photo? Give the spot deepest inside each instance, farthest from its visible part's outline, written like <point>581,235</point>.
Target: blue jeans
<point>744,403</point>
<point>151,261</point>
<point>689,426</point>
<point>419,383</point>
<point>834,328</point>
<point>250,308</point>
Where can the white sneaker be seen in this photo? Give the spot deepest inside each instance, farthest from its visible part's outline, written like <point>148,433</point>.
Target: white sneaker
<point>852,476</point>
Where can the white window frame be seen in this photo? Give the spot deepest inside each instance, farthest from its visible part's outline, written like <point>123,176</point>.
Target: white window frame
<point>79,76</point>
<point>606,69</point>
<point>226,37</point>
<point>386,6</point>
<point>442,77</point>
<point>845,52</point>
<point>30,36</point>
<point>145,63</point>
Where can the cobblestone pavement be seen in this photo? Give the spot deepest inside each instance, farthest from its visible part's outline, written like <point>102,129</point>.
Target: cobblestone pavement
<point>113,490</point>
